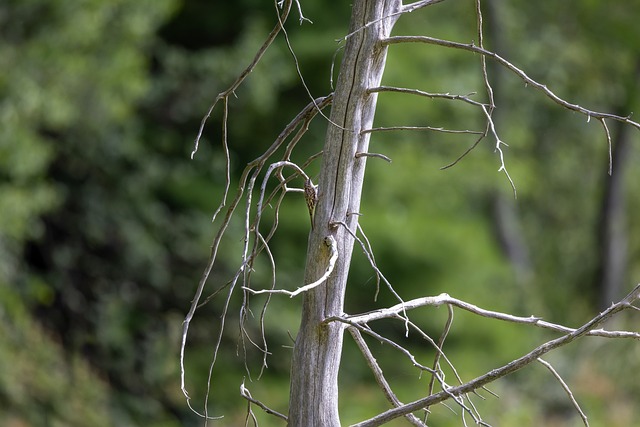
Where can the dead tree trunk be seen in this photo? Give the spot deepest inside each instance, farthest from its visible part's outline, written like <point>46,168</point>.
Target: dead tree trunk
<point>316,358</point>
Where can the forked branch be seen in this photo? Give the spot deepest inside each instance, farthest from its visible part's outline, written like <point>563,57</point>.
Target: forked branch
<point>507,369</point>
<point>528,80</point>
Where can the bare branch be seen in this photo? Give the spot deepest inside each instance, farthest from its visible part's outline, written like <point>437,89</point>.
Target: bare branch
<point>395,15</point>
<point>498,148</point>
<point>227,157</point>
<point>566,389</point>
<point>464,98</point>
<point>606,131</point>
<point>256,166</point>
<point>379,376</point>
<point>430,128</point>
<point>392,312</point>
<point>369,254</point>
<point>244,392</point>
<point>448,96</point>
<point>467,151</point>
<point>483,59</point>
<point>333,247</point>
<point>384,340</point>
<point>243,75</point>
<point>299,71</point>
<point>440,345</point>
<point>528,80</point>
<point>418,5</point>
<point>302,18</point>
<point>378,155</point>
<point>504,370</point>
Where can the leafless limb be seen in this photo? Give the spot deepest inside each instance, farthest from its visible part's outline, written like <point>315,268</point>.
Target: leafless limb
<point>330,242</point>
<point>246,183</point>
<point>507,369</point>
<point>256,240</point>
<point>567,390</point>
<point>379,376</point>
<point>408,8</point>
<point>428,128</point>
<point>486,110</point>
<point>528,80</point>
<point>464,98</point>
<point>244,392</point>
<point>378,155</point>
<point>384,340</point>
<point>498,147</point>
<point>436,373</point>
<point>395,15</point>
<point>608,134</point>
<point>263,312</point>
<point>369,254</point>
<point>392,312</point>
<point>302,18</point>
<point>440,345</point>
<point>297,65</point>
<point>483,59</point>
<point>464,154</point>
<point>286,7</point>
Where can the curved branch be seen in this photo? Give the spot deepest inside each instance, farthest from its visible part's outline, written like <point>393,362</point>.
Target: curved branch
<point>504,370</point>
<point>245,183</point>
<point>528,80</point>
<point>420,128</point>
<point>286,7</point>
<point>567,390</point>
<point>333,248</point>
<point>442,299</point>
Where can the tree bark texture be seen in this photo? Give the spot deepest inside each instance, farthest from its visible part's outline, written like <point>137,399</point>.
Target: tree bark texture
<point>318,347</point>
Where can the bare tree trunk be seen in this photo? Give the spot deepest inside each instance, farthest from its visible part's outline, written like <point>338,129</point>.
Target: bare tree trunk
<point>316,358</point>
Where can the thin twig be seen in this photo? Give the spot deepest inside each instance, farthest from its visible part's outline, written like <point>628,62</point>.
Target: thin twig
<point>504,370</point>
<point>333,248</point>
<point>395,15</point>
<point>440,345</point>
<point>369,254</point>
<point>243,75</point>
<point>254,166</point>
<point>448,96</point>
<point>528,80</point>
<point>498,148</point>
<point>567,390</point>
<point>419,128</point>
<point>408,8</point>
<point>244,392</point>
<point>444,298</point>
<point>299,72</point>
<point>378,155</point>
<point>378,374</point>
<point>606,131</point>
<point>464,98</point>
<point>467,151</point>
<point>384,340</point>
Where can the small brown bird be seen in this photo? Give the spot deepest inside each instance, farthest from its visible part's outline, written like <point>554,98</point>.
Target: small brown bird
<point>311,197</point>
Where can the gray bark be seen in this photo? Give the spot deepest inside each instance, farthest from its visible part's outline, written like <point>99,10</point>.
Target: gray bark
<point>318,347</point>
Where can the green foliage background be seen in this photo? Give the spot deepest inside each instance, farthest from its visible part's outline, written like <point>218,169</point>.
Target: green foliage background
<point>105,221</point>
